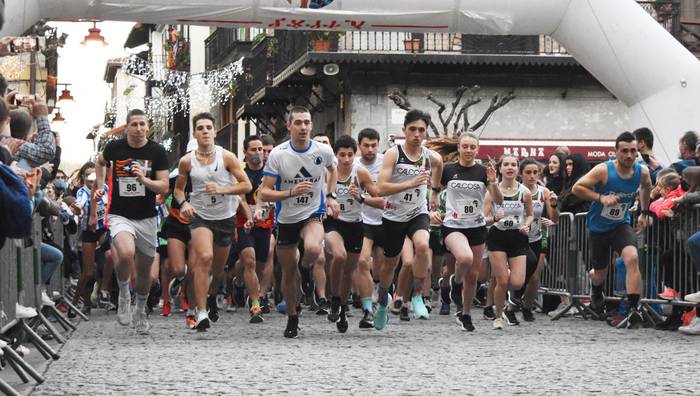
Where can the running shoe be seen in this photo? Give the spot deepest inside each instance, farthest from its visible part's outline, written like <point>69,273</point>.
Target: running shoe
<point>141,324</point>
<point>281,307</point>
<point>86,309</point>
<point>419,309</point>
<point>94,294</point>
<point>348,312</point>
<point>444,308</point>
<point>428,304</point>
<point>381,317</point>
<point>165,311</point>
<point>693,328</point>
<point>513,299</point>
<point>185,304</point>
<point>673,322</point>
<point>694,297</point>
<point>292,329</point>
<point>510,318</point>
<point>323,307</point>
<point>397,305</point>
<point>597,301</point>
<point>465,321</point>
<point>403,314</point>
<point>528,316</point>
<point>213,309</point>
<point>456,292</point>
<point>498,324</point>
<point>669,294</point>
<point>174,288</point>
<point>201,320</point>
<point>489,313</point>
<point>256,315</point>
<point>342,323</point>
<point>124,309</point>
<point>190,320</point>
<point>265,305</point>
<point>559,309</point>
<point>104,300</point>
<point>367,321</point>
<point>230,306</point>
<point>334,313</point>
<point>635,319</point>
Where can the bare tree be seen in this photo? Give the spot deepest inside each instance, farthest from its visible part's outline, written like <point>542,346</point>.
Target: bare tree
<point>401,101</point>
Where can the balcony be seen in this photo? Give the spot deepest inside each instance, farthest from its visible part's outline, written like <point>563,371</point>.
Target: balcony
<point>228,45</point>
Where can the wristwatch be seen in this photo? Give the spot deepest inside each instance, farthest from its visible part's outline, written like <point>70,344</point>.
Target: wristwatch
<point>331,195</point>
<point>362,198</point>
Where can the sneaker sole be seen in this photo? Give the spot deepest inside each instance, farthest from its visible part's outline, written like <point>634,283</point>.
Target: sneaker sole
<point>257,319</point>
<point>366,325</point>
<point>203,325</point>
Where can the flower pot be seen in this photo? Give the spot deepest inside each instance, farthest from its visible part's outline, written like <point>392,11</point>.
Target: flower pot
<point>321,45</point>
<point>411,45</point>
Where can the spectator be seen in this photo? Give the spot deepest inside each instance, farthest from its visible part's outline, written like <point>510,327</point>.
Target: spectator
<point>555,173</point>
<point>576,167</point>
<point>669,187</point>
<point>563,150</point>
<point>39,148</point>
<point>645,145</point>
<point>687,146</point>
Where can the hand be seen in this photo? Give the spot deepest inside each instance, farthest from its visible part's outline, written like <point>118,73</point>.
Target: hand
<point>48,166</point>
<point>491,172</point>
<point>499,215</point>
<point>642,223</point>
<point>525,230</point>
<point>434,198</point>
<point>75,209</point>
<point>213,188</point>
<point>137,170</point>
<point>257,214</point>
<point>187,210</point>
<point>5,46</point>
<point>248,225</point>
<point>607,200</point>
<point>97,194</point>
<point>667,213</point>
<point>423,178</point>
<point>436,217</point>
<point>553,199</point>
<point>653,162</point>
<point>355,191</point>
<point>302,188</point>
<point>38,108</point>
<point>547,222</point>
<point>334,206</point>
<point>677,201</point>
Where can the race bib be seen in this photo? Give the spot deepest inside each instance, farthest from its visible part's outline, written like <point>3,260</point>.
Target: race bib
<point>467,208</point>
<point>511,222</point>
<point>100,213</point>
<point>615,212</point>
<point>535,226</point>
<point>410,196</point>
<point>347,205</point>
<point>213,200</point>
<point>131,187</point>
<point>302,200</point>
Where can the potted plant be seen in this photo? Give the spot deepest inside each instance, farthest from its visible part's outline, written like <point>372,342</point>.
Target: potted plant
<point>320,41</point>
<point>412,44</point>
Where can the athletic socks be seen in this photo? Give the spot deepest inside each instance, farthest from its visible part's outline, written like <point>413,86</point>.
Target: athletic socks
<point>141,303</point>
<point>598,290</point>
<point>634,300</point>
<point>382,295</point>
<point>123,287</point>
<point>254,303</point>
<point>367,304</point>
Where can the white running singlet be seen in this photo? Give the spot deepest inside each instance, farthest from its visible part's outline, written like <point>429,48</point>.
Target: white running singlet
<point>350,207</point>
<point>405,205</point>
<point>538,205</point>
<point>212,206</point>
<point>291,167</point>
<point>370,214</point>
<point>513,208</point>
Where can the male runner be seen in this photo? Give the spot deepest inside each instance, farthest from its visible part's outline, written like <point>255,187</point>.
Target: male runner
<point>406,173</point>
<point>139,172</point>
<point>613,186</point>
<point>217,180</point>
<point>254,228</point>
<point>294,178</point>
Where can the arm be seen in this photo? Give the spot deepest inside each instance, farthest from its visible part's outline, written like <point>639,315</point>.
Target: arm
<point>644,193</point>
<point>43,148</point>
<point>368,184</point>
<point>552,211</point>
<point>385,187</point>
<point>268,193</point>
<point>488,209</point>
<point>492,186</point>
<point>529,217</point>
<point>584,187</point>
<point>689,198</point>
<point>180,183</point>
<point>99,176</point>
<point>332,178</point>
<point>160,185</point>
<point>436,178</point>
<point>243,184</point>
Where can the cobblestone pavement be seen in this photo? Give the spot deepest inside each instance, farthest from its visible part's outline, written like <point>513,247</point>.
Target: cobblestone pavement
<point>426,357</point>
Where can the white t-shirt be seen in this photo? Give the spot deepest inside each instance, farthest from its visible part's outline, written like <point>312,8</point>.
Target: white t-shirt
<point>291,167</point>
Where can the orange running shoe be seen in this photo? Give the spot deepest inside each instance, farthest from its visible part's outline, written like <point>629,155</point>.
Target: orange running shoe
<point>165,311</point>
<point>185,306</point>
<point>190,321</point>
<point>669,294</point>
<point>256,314</point>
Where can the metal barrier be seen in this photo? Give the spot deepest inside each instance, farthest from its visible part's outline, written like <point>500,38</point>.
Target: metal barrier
<point>555,279</point>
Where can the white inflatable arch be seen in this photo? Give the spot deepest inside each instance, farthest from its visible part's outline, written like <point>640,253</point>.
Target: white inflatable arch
<point>615,40</point>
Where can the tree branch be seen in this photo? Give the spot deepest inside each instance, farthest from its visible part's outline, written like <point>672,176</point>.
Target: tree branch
<point>496,103</point>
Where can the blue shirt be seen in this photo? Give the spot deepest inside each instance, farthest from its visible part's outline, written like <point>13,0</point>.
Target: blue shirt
<point>606,218</point>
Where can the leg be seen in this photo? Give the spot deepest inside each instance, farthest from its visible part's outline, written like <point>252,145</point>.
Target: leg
<point>335,243</point>
<point>499,267</point>
<point>364,272</point>
<point>421,265</point>
<point>634,276</point>
<point>458,245</point>
<point>471,273</point>
<point>51,259</point>
<point>201,262</point>
<point>86,274</point>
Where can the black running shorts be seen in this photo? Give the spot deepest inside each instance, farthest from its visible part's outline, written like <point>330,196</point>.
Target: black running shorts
<point>511,242</point>
<point>350,232</point>
<point>396,232</point>
<point>604,243</point>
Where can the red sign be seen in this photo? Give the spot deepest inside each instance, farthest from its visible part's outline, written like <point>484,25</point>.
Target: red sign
<point>592,150</point>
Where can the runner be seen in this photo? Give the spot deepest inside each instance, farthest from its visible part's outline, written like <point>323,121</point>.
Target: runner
<point>612,186</point>
<point>464,225</point>
<point>139,172</point>
<point>507,239</point>
<point>294,178</point>
<point>373,236</point>
<point>344,235</point>
<point>404,181</point>
<point>254,228</point>
<point>217,180</point>
<point>542,198</point>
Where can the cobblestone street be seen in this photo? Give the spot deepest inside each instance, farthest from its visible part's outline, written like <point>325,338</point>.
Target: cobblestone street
<point>419,357</point>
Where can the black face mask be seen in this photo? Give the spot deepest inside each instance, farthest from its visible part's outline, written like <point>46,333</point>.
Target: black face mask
<point>255,159</point>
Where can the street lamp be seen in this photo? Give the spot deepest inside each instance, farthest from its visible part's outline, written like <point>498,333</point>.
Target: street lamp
<point>65,95</point>
<point>94,38</point>
<point>58,118</point>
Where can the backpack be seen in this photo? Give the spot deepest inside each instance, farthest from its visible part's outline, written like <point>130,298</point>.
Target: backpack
<point>15,206</point>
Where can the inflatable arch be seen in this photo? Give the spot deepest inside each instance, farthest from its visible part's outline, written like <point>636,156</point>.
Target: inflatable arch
<point>615,40</point>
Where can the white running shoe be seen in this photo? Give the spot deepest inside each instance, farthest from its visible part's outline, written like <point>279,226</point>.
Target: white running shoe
<point>692,329</point>
<point>202,322</point>
<point>141,324</point>
<point>22,312</point>
<point>559,309</point>
<point>124,310</point>
<point>46,301</point>
<point>695,297</point>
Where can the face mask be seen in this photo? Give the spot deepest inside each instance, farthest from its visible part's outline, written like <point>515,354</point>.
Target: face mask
<point>255,159</point>
<point>60,184</point>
